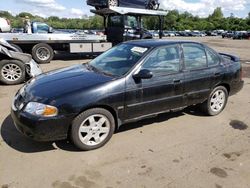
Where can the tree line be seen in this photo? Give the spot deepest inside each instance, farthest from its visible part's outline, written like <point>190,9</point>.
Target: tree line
<point>174,20</point>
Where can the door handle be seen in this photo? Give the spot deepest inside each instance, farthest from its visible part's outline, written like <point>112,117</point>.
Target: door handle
<point>217,74</point>
<point>177,81</point>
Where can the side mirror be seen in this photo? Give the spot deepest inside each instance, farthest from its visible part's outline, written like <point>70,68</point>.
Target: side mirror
<point>143,74</point>
<point>50,30</point>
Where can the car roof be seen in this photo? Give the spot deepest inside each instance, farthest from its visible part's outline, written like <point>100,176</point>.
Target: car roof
<point>149,43</point>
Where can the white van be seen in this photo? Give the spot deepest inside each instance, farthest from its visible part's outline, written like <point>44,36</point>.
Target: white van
<point>4,25</point>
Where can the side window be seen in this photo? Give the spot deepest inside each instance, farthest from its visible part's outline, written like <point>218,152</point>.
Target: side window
<point>42,28</point>
<point>163,60</point>
<point>115,21</point>
<point>194,56</point>
<point>212,58</point>
<point>132,22</point>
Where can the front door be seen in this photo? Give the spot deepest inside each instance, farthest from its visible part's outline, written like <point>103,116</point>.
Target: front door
<point>164,91</point>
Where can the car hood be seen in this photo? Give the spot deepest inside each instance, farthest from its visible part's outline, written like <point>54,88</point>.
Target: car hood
<point>51,85</point>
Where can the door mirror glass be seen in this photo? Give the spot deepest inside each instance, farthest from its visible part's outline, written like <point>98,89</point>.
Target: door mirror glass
<point>143,74</point>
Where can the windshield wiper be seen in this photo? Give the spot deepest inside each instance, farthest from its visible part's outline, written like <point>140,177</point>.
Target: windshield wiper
<point>91,67</point>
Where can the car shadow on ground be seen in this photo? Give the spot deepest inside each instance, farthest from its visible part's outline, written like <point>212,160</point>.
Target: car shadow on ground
<point>14,139</point>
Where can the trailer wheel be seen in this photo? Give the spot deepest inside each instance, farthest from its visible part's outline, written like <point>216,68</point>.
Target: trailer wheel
<point>42,53</point>
<point>12,72</point>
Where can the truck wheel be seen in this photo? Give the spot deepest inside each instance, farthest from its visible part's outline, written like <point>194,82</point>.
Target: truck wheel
<point>12,72</point>
<point>92,129</point>
<point>42,53</point>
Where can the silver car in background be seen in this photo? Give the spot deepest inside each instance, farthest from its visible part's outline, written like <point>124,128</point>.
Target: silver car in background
<point>15,66</point>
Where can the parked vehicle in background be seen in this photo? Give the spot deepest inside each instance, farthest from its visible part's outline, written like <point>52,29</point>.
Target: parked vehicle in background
<point>241,35</point>
<point>155,34</point>
<point>169,34</point>
<point>211,33</point>
<point>183,33</point>
<point>4,25</point>
<point>143,4</point>
<point>131,81</point>
<point>17,30</point>
<point>15,66</point>
<point>228,34</point>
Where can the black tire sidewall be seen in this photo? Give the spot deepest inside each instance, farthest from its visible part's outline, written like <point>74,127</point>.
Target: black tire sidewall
<point>209,110</point>
<point>17,47</point>
<point>80,118</point>
<point>18,63</point>
<point>48,47</point>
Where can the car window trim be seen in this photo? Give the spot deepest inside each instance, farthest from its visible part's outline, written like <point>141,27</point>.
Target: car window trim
<point>215,53</point>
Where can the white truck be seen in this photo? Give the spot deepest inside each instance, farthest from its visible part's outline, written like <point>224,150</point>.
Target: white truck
<point>43,42</point>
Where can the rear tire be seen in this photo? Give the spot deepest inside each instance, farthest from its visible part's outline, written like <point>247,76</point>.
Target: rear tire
<point>12,72</point>
<point>216,102</point>
<point>92,129</point>
<point>42,53</point>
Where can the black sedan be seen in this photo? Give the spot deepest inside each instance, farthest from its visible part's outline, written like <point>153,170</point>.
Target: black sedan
<point>131,81</point>
<point>144,4</point>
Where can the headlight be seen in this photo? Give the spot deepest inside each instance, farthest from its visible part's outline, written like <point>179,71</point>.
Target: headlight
<point>40,109</point>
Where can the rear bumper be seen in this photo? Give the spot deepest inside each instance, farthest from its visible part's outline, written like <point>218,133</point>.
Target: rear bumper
<point>236,87</point>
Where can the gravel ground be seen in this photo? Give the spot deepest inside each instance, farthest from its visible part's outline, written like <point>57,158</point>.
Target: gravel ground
<point>183,149</point>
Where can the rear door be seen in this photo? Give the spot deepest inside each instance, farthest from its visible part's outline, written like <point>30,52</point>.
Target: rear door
<point>196,72</point>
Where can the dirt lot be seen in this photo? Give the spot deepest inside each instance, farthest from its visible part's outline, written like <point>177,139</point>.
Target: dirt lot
<point>183,149</point>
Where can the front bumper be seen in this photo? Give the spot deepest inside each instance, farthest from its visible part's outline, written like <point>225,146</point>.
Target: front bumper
<point>33,69</point>
<point>41,129</point>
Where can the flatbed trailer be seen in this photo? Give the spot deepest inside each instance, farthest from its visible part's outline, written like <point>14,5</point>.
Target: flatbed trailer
<point>43,46</point>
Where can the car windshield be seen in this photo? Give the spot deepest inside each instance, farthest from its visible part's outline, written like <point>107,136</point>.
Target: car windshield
<point>118,60</point>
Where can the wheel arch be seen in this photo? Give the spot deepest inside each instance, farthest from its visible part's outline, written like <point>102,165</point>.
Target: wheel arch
<point>226,85</point>
<point>106,107</point>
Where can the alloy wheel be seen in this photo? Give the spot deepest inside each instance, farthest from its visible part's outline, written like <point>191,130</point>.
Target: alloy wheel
<point>94,130</point>
<point>11,72</point>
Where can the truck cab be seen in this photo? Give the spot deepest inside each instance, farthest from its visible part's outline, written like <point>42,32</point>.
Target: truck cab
<point>125,27</point>
<point>39,27</point>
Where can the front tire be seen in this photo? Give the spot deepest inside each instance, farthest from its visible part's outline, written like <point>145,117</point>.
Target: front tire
<point>216,102</point>
<point>92,129</point>
<point>12,72</point>
<point>42,53</point>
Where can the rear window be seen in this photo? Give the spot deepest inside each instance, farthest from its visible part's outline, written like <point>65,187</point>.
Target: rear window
<point>194,56</point>
<point>212,58</point>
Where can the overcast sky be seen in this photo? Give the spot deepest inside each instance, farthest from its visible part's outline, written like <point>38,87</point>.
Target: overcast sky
<point>79,8</point>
